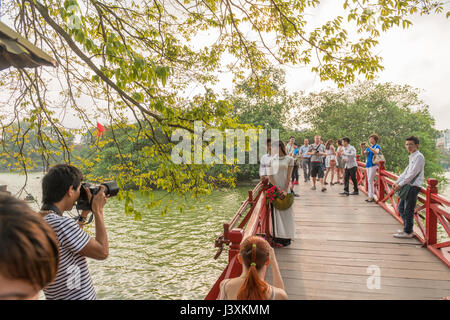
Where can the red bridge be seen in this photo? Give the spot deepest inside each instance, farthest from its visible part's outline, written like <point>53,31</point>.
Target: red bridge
<point>342,243</point>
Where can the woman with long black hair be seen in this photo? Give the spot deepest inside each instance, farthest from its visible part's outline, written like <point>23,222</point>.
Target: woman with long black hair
<point>280,173</point>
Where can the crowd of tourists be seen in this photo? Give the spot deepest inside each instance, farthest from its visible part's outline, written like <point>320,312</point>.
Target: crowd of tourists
<point>319,161</point>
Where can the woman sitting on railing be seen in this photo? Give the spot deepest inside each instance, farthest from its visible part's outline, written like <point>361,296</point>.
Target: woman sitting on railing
<point>255,255</point>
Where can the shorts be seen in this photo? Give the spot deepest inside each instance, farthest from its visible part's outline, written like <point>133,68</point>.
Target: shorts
<point>340,163</point>
<point>317,170</point>
<point>328,161</point>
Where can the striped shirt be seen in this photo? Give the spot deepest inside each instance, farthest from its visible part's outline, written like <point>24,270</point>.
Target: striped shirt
<point>73,281</point>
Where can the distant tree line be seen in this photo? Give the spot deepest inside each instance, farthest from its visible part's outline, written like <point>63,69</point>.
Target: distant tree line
<point>393,112</point>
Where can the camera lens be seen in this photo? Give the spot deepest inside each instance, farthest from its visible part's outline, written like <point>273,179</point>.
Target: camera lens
<point>111,188</point>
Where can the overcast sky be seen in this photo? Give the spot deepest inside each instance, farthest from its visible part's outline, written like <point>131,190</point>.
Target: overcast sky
<point>418,56</point>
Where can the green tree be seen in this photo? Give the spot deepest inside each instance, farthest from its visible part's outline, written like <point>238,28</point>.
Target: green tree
<point>22,146</point>
<point>392,111</point>
<point>269,111</point>
<point>134,59</point>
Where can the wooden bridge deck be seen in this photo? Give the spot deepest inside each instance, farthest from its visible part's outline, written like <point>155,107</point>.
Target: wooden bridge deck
<point>339,237</point>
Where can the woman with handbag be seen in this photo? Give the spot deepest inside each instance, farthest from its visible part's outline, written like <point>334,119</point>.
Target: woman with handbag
<point>330,161</point>
<point>371,151</point>
<point>408,187</point>
<point>280,173</point>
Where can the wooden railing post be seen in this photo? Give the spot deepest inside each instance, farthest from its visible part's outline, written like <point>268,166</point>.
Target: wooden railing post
<point>265,182</point>
<point>226,231</point>
<point>268,215</point>
<point>235,237</point>
<point>381,189</point>
<point>250,197</point>
<point>3,188</point>
<point>431,219</point>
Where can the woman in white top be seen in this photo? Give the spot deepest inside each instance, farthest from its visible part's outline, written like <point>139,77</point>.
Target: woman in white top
<point>255,256</point>
<point>330,161</point>
<point>280,172</point>
<point>340,168</point>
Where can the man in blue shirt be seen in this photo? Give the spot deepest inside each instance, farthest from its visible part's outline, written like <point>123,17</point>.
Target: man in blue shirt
<point>305,160</point>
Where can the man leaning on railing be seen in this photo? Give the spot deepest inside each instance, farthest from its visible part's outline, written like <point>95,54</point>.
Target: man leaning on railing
<point>412,179</point>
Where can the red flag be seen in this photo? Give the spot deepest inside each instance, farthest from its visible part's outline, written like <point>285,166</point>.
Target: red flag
<point>100,129</point>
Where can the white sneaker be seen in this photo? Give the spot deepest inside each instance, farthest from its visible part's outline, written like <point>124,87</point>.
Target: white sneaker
<point>404,235</point>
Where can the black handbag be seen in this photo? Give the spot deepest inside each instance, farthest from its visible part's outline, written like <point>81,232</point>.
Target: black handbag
<point>403,192</point>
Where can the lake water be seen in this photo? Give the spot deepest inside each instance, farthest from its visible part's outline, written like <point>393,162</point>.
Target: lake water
<point>159,257</point>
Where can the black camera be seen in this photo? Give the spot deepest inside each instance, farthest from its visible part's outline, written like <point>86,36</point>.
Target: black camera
<point>111,189</point>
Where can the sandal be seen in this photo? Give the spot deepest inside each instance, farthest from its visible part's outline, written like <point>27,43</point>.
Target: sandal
<point>277,245</point>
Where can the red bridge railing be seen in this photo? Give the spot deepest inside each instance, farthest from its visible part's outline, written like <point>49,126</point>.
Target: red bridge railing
<point>255,220</point>
<point>432,209</point>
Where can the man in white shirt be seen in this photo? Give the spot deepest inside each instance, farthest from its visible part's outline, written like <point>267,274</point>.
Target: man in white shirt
<point>348,154</point>
<point>413,175</point>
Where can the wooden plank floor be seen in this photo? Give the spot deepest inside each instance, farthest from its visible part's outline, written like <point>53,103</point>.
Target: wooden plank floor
<point>339,237</point>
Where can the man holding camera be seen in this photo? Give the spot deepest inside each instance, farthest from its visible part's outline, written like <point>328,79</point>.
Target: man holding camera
<point>61,189</point>
<point>317,152</point>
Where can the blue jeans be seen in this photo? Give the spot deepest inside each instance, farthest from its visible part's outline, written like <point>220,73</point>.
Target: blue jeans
<point>406,209</point>
<point>306,164</point>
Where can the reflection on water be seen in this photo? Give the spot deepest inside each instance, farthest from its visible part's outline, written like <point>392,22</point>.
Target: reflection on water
<point>168,257</point>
